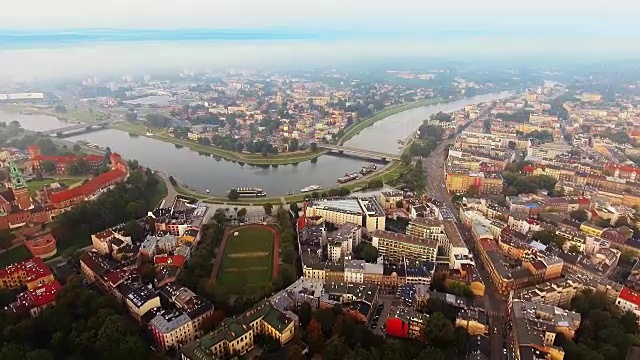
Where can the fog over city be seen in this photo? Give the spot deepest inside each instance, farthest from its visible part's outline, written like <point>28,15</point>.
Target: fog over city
<point>44,39</point>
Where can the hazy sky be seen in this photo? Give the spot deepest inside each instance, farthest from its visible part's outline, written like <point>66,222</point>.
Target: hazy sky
<point>23,14</point>
<point>461,29</point>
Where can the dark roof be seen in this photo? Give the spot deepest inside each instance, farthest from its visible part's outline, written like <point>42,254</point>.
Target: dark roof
<point>8,195</point>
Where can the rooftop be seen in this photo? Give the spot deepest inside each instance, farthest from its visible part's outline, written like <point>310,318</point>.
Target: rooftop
<point>410,239</point>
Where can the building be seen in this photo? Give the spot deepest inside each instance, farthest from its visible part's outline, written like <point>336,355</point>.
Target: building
<point>366,212</point>
<point>388,199</point>
<point>32,273</point>
<point>173,328</point>
<point>105,241</point>
<point>396,246</point>
<point>37,299</point>
<point>235,336</point>
<point>37,238</point>
<point>557,292</point>
<point>405,322</point>
<point>629,300</point>
<point>340,243</point>
<point>89,190</point>
<point>536,326</point>
<point>139,298</point>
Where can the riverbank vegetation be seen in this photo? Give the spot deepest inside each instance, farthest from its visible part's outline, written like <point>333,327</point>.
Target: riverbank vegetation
<point>207,149</point>
<point>388,175</point>
<point>362,124</point>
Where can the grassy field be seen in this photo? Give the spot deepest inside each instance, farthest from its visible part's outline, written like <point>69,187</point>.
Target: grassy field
<point>247,264</point>
<point>12,256</point>
<point>34,185</point>
<point>159,193</point>
<point>354,129</point>
<point>254,159</point>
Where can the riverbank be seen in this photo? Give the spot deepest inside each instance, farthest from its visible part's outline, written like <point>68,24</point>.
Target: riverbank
<point>250,159</point>
<point>355,129</point>
<point>71,115</point>
<point>389,172</point>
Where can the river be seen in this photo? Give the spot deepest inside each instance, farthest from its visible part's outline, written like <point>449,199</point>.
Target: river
<point>218,175</point>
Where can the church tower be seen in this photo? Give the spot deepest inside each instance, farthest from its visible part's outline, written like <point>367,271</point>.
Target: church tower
<point>19,187</point>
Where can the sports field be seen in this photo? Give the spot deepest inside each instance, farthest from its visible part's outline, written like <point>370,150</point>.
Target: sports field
<point>247,264</point>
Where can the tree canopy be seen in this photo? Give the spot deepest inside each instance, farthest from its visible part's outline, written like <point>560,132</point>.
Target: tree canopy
<point>605,332</point>
<point>82,325</point>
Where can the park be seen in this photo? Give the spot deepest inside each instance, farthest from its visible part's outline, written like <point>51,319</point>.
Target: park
<point>249,260</point>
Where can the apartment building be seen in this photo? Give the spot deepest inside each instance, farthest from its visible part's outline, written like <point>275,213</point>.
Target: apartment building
<point>557,292</point>
<point>105,241</point>
<point>172,328</point>
<point>236,335</point>
<point>366,212</point>
<point>31,273</point>
<point>340,243</point>
<point>396,246</point>
<point>536,326</point>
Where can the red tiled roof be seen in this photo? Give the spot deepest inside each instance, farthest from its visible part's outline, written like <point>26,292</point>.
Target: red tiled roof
<point>91,187</point>
<point>34,268</point>
<point>68,158</point>
<point>45,294</point>
<point>114,277</point>
<point>630,296</point>
<point>172,260</point>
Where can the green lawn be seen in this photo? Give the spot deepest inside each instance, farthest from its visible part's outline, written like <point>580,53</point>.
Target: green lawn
<point>35,185</point>
<point>248,261</point>
<point>15,255</point>
<point>159,193</point>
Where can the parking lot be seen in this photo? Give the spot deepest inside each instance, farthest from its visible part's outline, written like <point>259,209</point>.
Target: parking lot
<point>381,313</point>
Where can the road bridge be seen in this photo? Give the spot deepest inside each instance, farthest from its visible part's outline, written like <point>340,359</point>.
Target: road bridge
<point>360,152</point>
<point>59,131</point>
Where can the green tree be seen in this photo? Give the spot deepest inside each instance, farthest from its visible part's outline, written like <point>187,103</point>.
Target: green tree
<point>233,194</point>
<point>131,117</point>
<point>48,166</point>
<point>544,236</point>
<point>579,215</point>
<point>400,204</point>
<point>438,332</point>
<point>293,145</point>
<point>60,109</point>
<point>366,252</point>
<point>268,208</point>
<point>242,213</point>
<point>134,229</point>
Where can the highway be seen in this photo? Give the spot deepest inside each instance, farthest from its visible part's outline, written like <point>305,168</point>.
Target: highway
<point>495,304</point>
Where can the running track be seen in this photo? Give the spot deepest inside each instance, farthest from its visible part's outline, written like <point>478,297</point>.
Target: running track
<point>229,230</point>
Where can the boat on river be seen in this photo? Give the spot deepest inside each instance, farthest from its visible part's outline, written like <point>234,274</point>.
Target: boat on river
<point>310,188</point>
<point>348,177</point>
<point>250,192</point>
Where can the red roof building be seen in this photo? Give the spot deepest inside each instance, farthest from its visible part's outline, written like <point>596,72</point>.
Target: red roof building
<point>629,300</point>
<point>33,273</point>
<point>72,196</point>
<point>169,260</point>
<point>63,163</point>
<point>37,299</point>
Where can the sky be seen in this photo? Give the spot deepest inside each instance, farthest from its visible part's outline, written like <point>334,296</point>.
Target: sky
<point>56,39</point>
<point>360,14</point>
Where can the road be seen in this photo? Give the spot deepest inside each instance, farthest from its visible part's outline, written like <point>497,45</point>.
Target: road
<point>495,304</point>
<point>171,190</point>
